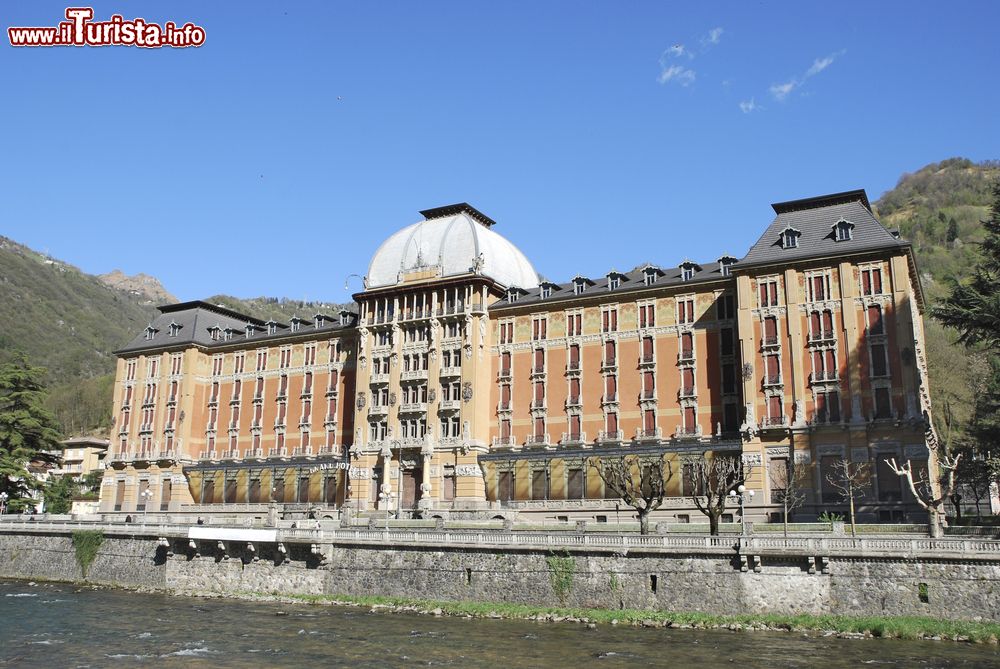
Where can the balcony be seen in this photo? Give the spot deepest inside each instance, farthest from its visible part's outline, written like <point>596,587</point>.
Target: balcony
<point>687,431</point>
<point>647,396</point>
<point>538,370</point>
<point>769,341</point>
<point>688,391</point>
<point>416,314</point>
<point>302,451</point>
<point>609,364</point>
<point>232,454</point>
<point>685,356</point>
<point>413,407</point>
<point>573,367</point>
<point>610,437</point>
<point>822,417</point>
<point>451,309</point>
<point>610,398</point>
<point>504,442</point>
<point>413,442</point>
<point>773,380</point>
<point>450,372</point>
<point>207,455</point>
<point>451,405</point>
<point>277,452</point>
<point>413,375</point>
<point>537,440</point>
<point>822,335</point>
<point>773,422</point>
<point>538,404</point>
<point>379,377</point>
<point>328,450</point>
<point>503,406</point>
<point>648,435</point>
<point>823,376</point>
<point>503,375</point>
<point>647,360</point>
<point>574,401</point>
<point>378,410</point>
<point>169,454</point>
<point>573,438</point>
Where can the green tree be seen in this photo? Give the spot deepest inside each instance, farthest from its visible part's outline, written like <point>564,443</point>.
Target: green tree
<point>27,429</point>
<point>952,233</point>
<point>973,307</point>
<point>92,481</point>
<point>59,492</point>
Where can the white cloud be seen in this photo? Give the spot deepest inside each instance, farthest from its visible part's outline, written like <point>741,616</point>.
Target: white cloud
<point>713,37</point>
<point>682,75</point>
<point>781,91</point>
<point>678,50</point>
<point>748,106</point>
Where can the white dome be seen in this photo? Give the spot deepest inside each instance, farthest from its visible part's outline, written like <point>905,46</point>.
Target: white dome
<point>451,245</point>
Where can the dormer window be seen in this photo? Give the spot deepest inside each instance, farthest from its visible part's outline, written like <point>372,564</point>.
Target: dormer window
<point>214,332</point>
<point>227,334</point>
<point>579,285</point>
<point>272,327</point>
<point>512,295</point>
<point>319,321</point>
<point>173,329</point>
<point>650,275</point>
<point>250,329</point>
<point>790,238</point>
<point>687,273</point>
<point>295,324</point>
<point>346,317</point>
<point>546,292</point>
<point>725,265</point>
<point>843,230</point>
<point>151,333</point>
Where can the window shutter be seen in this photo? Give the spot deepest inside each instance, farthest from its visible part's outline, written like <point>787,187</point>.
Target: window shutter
<point>647,347</point>
<point>866,283</point>
<point>648,420</point>
<point>612,422</point>
<point>877,281</point>
<point>574,388</point>
<point>647,382</point>
<point>774,293</point>
<point>611,385</point>
<point>814,323</point>
<point>874,320</point>
<point>574,354</point>
<point>831,361</point>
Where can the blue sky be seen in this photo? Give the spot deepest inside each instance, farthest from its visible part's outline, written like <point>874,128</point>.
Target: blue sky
<point>274,159</point>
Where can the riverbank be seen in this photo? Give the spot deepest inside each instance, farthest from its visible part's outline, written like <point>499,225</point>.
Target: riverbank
<point>889,627</point>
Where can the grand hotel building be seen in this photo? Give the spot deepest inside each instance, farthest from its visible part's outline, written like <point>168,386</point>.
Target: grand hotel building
<point>462,383</point>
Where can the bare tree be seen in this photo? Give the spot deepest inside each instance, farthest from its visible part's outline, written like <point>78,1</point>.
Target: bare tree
<point>853,481</point>
<point>931,492</point>
<point>788,487</point>
<point>709,480</point>
<point>640,480</point>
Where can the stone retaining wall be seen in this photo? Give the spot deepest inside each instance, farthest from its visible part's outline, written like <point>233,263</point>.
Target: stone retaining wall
<point>601,579</point>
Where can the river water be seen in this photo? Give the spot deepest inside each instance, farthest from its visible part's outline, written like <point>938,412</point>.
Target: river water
<point>56,625</point>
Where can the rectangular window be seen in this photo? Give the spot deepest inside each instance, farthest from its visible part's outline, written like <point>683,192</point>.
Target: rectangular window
<point>687,345</point>
<point>647,315</point>
<point>770,331</point>
<point>726,307</point>
<point>647,349</point>
<point>609,320</point>
<point>768,295</point>
<point>774,408</point>
<point>729,379</point>
<point>574,325</point>
<point>726,344</point>
<point>878,360</point>
<point>889,482</point>
<point>871,281</point>
<point>539,327</point>
<point>539,484</point>
<point>239,361</point>
<point>730,417</point>
<point>690,420</point>
<point>611,421</point>
<point>575,483</point>
<point>609,353</point>
<point>685,310</point>
<point>875,320</point>
<point>883,405</point>
<point>539,360</point>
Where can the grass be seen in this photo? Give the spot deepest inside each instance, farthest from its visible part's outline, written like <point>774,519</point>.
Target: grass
<point>898,627</point>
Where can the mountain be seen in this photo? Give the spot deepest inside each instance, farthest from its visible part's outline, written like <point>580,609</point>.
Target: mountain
<point>69,322</point>
<point>140,285</point>
<point>939,208</point>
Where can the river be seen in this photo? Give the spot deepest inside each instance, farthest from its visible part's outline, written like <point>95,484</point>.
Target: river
<point>59,625</point>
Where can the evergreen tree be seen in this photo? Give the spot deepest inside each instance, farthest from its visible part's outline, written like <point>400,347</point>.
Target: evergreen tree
<point>973,308</point>
<point>27,429</point>
<point>59,494</point>
<point>952,233</point>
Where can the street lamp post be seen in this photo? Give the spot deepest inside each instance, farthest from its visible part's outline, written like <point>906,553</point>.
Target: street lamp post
<point>147,495</point>
<point>740,494</point>
<point>3,502</point>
